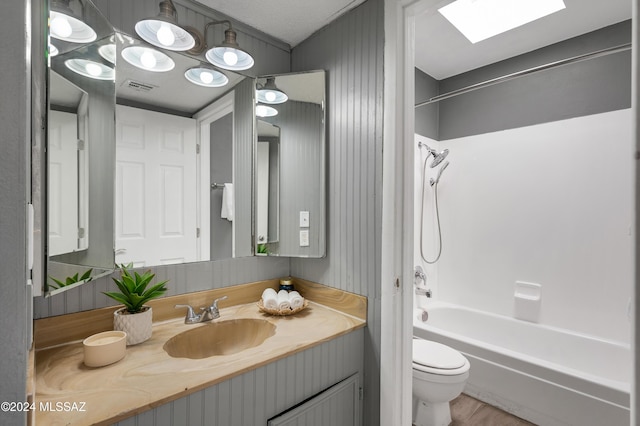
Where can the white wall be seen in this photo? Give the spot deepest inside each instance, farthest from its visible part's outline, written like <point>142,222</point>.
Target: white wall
<point>550,204</point>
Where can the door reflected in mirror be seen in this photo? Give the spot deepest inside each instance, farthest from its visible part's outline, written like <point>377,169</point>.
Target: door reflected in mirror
<point>267,186</point>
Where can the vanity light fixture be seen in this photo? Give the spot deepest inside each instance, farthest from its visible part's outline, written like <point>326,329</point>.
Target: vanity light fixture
<point>478,20</point>
<point>265,111</point>
<point>147,59</point>
<point>163,30</point>
<point>206,76</point>
<point>228,54</point>
<point>108,52</point>
<point>63,25</point>
<point>90,69</point>
<point>270,94</point>
<point>53,50</point>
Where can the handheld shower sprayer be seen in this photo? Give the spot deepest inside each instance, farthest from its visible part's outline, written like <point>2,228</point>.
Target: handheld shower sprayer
<point>435,181</point>
<point>437,156</point>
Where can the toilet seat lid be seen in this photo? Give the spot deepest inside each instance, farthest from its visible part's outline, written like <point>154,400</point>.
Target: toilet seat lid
<point>436,355</point>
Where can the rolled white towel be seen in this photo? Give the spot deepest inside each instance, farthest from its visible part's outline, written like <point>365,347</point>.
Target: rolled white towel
<point>270,299</point>
<point>283,300</point>
<point>295,300</point>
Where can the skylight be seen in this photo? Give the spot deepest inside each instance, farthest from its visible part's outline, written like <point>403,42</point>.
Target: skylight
<point>478,20</point>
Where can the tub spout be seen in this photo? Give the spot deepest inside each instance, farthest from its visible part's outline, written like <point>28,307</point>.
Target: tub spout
<point>420,291</point>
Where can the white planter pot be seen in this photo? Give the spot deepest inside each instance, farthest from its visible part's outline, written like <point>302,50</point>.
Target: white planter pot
<point>137,326</point>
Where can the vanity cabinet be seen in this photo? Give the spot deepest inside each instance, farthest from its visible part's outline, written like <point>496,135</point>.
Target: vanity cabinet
<point>337,406</point>
<point>258,396</point>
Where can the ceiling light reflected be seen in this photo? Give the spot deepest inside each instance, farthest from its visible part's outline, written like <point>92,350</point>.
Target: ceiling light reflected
<point>206,77</point>
<point>479,20</point>
<point>147,59</point>
<point>67,28</point>
<point>265,111</point>
<point>90,69</point>
<point>269,93</point>
<point>108,52</point>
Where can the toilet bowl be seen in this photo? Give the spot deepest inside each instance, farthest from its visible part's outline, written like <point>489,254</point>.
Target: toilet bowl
<point>439,375</point>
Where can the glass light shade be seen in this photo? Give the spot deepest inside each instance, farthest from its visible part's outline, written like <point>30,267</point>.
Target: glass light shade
<point>147,59</point>
<point>206,77</point>
<point>53,50</point>
<point>108,52</point>
<point>265,111</point>
<point>164,34</point>
<point>68,28</point>
<point>270,94</point>
<point>91,69</point>
<point>219,56</point>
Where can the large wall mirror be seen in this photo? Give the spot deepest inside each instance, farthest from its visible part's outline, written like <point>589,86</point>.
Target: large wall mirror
<point>290,165</point>
<point>165,174</point>
<point>80,147</point>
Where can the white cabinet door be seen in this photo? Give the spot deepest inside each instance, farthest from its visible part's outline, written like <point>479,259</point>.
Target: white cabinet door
<point>155,188</point>
<point>337,406</point>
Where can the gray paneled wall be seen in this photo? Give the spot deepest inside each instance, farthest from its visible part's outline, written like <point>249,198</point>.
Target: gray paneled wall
<point>15,116</point>
<point>271,56</point>
<point>254,397</point>
<point>351,51</point>
<point>588,87</point>
<point>243,125</point>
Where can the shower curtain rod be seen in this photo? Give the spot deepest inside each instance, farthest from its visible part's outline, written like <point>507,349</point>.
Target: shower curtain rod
<point>491,82</point>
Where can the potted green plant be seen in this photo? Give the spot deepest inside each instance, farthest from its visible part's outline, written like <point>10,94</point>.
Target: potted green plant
<point>135,318</point>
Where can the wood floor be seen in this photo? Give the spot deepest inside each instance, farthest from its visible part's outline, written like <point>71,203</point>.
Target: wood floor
<point>467,411</point>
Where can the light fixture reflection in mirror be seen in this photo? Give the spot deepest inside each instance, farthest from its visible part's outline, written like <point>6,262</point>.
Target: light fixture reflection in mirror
<point>108,52</point>
<point>270,93</point>
<point>147,59</point>
<point>265,111</point>
<point>66,27</point>
<point>90,69</point>
<point>53,50</point>
<point>206,77</point>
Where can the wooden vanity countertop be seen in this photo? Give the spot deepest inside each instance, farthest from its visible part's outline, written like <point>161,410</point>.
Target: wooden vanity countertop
<point>68,392</point>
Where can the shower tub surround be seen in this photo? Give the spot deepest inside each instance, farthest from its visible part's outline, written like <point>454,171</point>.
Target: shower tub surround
<point>546,375</point>
<point>148,377</point>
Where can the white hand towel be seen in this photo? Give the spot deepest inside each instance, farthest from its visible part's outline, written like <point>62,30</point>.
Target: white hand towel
<point>228,203</point>
<point>283,300</point>
<point>270,298</point>
<point>295,300</point>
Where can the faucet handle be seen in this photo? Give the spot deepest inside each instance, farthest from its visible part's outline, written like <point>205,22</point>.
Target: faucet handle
<point>191,315</point>
<point>214,305</point>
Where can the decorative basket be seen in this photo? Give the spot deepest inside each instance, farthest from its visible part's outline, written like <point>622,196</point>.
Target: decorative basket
<point>282,312</point>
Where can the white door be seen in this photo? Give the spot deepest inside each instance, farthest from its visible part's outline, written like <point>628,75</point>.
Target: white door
<point>155,188</point>
<point>63,183</point>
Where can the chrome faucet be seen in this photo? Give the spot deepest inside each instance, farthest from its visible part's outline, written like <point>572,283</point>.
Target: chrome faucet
<point>206,314</point>
<point>420,275</point>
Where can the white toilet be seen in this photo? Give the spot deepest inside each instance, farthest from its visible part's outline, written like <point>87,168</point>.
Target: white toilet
<point>439,375</point>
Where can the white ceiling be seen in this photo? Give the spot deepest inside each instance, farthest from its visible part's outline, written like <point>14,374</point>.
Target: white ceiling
<point>442,51</point>
<point>291,21</point>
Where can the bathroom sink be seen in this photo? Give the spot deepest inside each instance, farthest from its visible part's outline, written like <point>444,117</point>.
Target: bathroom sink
<point>219,338</point>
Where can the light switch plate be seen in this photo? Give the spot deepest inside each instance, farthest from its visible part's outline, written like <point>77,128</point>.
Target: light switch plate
<point>304,238</point>
<point>304,219</point>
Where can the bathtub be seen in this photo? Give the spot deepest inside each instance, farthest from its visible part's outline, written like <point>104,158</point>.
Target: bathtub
<point>546,375</point>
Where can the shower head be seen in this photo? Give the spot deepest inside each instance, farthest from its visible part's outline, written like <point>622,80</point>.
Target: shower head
<point>437,156</point>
